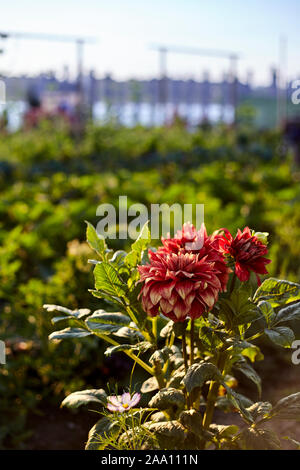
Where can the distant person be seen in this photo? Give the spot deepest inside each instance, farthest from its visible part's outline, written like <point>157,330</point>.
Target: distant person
<point>35,113</point>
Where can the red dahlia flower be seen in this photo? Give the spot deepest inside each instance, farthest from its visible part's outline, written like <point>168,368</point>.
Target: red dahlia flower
<point>189,240</point>
<point>183,283</point>
<point>248,252</point>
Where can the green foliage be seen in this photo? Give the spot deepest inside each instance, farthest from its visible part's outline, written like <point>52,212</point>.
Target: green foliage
<point>50,183</point>
<point>223,347</point>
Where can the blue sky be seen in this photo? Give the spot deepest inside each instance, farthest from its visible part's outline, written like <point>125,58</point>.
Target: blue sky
<point>126,29</point>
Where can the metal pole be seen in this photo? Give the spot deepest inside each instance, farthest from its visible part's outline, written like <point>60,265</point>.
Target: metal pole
<point>234,85</point>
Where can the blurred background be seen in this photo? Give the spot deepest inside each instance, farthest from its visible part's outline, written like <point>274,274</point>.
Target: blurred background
<point>162,101</point>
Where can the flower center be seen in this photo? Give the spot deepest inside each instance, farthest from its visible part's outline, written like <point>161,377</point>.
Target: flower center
<point>125,405</point>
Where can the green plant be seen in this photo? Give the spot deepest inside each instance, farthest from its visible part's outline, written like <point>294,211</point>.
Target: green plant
<point>191,361</point>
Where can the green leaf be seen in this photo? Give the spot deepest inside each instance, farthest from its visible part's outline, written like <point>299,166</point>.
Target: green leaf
<point>134,257</point>
<point>289,313</point>
<point>239,308</point>
<point>177,376</point>
<point>161,355</point>
<point>281,335</point>
<point>288,407</point>
<point>170,434</point>
<point>258,439</point>
<point>142,347</point>
<point>168,398</point>
<point>277,292</point>
<point>248,371</point>
<point>198,374</point>
<point>130,334</point>
<point>96,241</point>
<point>150,385</point>
<point>167,330</point>
<point>85,397</point>
<point>69,333</point>
<point>223,431</point>
<point>212,338</point>
<point>114,319</point>
<point>248,350</point>
<point>104,427</point>
<point>238,402</point>
<point>79,313</point>
<point>267,311</point>
<point>260,410</point>
<point>58,319</point>
<point>108,280</point>
<point>192,420</point>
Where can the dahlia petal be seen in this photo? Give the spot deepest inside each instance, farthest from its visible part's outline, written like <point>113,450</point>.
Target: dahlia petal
<point>242,272</point>
<point>208,297</point>
<point>180,310</point>
<point>196,310</point>
<point>184,288</point>
<point>155,294</point>
<point>165,306</point>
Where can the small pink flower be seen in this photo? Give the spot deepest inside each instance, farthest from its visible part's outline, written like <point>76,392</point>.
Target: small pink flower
<point>123,402</point>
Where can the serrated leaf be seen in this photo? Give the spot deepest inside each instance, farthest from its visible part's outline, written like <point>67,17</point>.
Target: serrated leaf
<point>78,313</point>
<point>281,335</point>
<point>137,248</point>
<point>69,333</point>
<point>260,410</point>
<point>267,311</point>
<point>258,439</point>
<point>288,407</point>
<point>100,317</point>
<point>277,292</point>
<point>58,308</point>
<point>118,258</point>
<point>168,398</point>
<point>289,313</point>
<point>223,431</point>
<point>96,241</point>
<point>170,434</point>
<point>108,280</point>
<point>198,374</point>
<point>85,397</point>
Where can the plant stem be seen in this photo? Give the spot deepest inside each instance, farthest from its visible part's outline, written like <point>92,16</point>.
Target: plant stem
<point>129,353</point>
<point>154,328</point>
<point>184,352</point>
<point>192,338</point>
<point>213,392</point>
<point>232,283</point>
<point>186,365</point>
<point>159,375</point>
